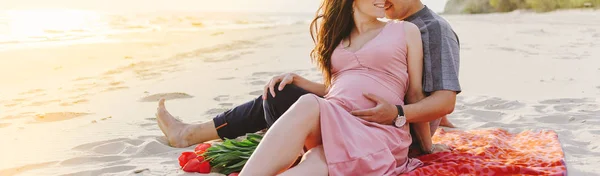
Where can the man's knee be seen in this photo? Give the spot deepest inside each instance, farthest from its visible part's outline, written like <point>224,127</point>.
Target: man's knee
<point>274,107</point>
<point>289,93</point>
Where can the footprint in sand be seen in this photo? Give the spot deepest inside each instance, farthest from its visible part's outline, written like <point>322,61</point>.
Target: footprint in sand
<point>485,116</point>
<point>167,96</point>
<point>115,88</point>
<point>152,148</point>
<point>106,170</point>
<point>113,71</point>
<point>113,147</point>
<point>57,116</point>
<point>556,119</point>
<point>89,146</point>
<point>564,101</point>
<point>265,74</point>
<point>115,83</point>
<point>215,111</point>
<point>541,108</point>
<point>256,93</point>
<point>149,126</point>
<point>565,107</point>
<point>74,102</point>
<point>226,78</point>
<point>497,104</point>
<point>221,98</point>
<point>82,78</point>
<point>226,104</point>
<point>258,83</point>
<point>41,103</point>
<point>596,132</point>
<point>91,160</point>
<point>19,100</point>
<point>148,75</point>
<point>217,33</point>
<point>33,91</point>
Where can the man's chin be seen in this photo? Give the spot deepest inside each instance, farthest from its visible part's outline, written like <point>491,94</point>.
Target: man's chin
<point>390,16</point>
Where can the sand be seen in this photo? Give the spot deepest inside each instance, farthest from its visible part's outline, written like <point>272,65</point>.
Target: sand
<point>88,109</point>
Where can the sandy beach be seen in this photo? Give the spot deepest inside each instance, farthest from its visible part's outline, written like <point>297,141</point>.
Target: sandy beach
<point>88,108</point>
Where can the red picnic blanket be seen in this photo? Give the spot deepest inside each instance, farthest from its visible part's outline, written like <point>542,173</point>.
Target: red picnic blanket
<point>495,152</point>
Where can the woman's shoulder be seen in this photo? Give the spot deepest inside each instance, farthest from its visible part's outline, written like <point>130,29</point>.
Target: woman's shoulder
<point>404,26</point>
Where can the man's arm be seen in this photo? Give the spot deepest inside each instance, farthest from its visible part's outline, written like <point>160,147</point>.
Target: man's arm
<point>421,131</point>
<point>433,107</point>
<point>438,104</point>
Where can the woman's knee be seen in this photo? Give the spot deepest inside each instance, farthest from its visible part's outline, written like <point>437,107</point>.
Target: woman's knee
<point>305,110</point>
<point>309,103</point>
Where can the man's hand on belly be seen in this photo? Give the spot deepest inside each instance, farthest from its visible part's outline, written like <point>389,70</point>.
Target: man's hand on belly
<point>383,113</point>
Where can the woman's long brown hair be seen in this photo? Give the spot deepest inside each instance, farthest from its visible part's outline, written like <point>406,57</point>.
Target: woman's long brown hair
<point>336,24</point>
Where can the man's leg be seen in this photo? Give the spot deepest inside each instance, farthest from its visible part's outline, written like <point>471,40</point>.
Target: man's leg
<point>258,114</point>
<point>249,117</point>
<point>274,107</point>
<point>445,122</point>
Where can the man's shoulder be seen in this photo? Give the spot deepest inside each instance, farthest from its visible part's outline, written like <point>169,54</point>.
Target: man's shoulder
<point>434,25</point>
<point>434,20</point>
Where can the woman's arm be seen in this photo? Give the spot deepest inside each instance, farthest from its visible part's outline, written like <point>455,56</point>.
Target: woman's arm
<point>415,85</point>
<point>310,86</point>
<point>292,78</point>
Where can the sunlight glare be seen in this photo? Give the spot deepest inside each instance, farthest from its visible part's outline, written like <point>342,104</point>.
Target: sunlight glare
<point>43,23</point>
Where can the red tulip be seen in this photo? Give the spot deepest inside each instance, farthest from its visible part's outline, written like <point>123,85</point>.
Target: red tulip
<point>197,165</point>
<point>201,148</point>
<point>192,166</point>
<point>185,157</point>
<point>204,166</point>
<point>234,174</point>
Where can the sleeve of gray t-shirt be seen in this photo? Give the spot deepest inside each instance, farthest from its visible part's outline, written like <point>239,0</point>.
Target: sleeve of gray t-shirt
<point>441,55</point>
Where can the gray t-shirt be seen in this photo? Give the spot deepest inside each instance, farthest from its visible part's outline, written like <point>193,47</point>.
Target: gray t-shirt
<point>440,51</point>
<point>440,54</point>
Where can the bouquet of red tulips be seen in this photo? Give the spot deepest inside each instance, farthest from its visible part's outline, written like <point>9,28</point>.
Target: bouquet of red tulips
<point>227,157</point>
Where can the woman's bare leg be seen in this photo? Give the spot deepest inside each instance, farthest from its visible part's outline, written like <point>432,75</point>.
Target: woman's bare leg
<point>313,163</point>
<point>180,134</point>
<point>285,139</point>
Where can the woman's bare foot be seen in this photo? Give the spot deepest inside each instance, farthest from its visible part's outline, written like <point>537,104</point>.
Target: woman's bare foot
<point>445,122</point>
<point>175,130</point>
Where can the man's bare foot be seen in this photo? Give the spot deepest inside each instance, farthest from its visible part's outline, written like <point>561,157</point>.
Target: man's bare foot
<point>440,148</point>
<point>175,130</point>
<point>445,122</point>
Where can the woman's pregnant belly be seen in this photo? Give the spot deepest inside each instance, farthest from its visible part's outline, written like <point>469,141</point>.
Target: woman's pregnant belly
<point>348,89</point>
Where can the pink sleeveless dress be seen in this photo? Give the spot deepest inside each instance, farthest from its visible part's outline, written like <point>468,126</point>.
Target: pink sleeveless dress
<point>354,146</point>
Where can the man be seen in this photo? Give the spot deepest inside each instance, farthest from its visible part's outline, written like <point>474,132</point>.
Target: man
<point>440,83</point>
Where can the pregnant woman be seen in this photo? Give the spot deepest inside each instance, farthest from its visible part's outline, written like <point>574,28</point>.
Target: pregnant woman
<point>357,54</point>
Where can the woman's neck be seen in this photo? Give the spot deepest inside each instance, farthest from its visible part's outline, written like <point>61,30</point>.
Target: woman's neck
<point>365,24</point>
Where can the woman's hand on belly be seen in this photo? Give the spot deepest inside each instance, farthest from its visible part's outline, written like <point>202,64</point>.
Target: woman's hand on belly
<point>383,112</point>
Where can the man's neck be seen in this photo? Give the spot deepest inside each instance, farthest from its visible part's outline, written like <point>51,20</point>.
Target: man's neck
<point>413,9</point>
